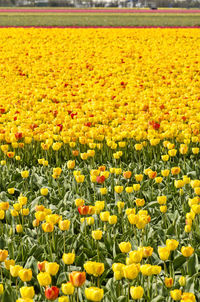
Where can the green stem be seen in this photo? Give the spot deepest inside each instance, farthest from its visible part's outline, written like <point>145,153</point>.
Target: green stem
<point>98,251</point>
<point>64,241</point>
<point>77,296</point>
<point>128,290</point>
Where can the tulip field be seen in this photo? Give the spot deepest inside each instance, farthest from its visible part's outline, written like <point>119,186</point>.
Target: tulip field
<point>99,164</point>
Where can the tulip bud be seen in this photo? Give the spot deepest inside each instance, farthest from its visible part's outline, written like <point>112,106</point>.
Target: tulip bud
<point>182,281</point>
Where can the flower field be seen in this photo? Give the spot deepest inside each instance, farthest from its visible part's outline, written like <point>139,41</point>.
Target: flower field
<point>99,165</point>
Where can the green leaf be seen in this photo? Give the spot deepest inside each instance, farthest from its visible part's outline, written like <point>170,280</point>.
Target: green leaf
<point>193,265</point>
<point>158,299</point>
<point>189,285</point>
<point>122,299</point>
<point>80,259</point>
<point>179,261</point>
<point>171,230</point>
<point>62,279</point>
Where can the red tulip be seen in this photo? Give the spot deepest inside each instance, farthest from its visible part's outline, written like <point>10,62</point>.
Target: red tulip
<point>18,135</point>
<point>60,126</point>
<point>83,210</point>
<point>51,293</point>
<point>156,126</point>
<point>100,179</point>
<point>77,278</point>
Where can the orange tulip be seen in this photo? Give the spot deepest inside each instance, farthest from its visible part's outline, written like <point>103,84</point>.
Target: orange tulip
<point>77,278</point>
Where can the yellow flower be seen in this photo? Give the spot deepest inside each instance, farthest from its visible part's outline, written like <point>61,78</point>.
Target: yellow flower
<point>129,189</point>
<point>188,228</point>
<point>112,219</point>
<point>118,267</point>
<point>19,228</point>
<point>4,205</point>
<point>197,190</point>
<point>156,269</point>
<point>99,206</point>
<point>68,258</point>
<point>196,208</point>
<point>27,292</point>
<point>25,174</point>
<point>118,275</point>
<point>71,164</point>
<point>3,255</point>
<point>125,247</point>
<point>25,274</point>
<point>195,150</point>
<point>165,173</point>
<point>118,171</point>
<point>140,202</point>
<point>187,251</point>
<point>1,289</point>
<point>48,227</point>
<point>176,294</point>
<point>2,214</point>
<point>94,294</point>
<point>63,299</point>
<point>64,225</point>
<point>183,149</point>
<point>175,170</point>
<point>131,271</point>
<point>80,178</point>
<point>14,270</point>
<point>164,253</point>
<point>172,244</point>
<point>97,234</point>
<point>133,219</point>
<point>168,282</point>
<point>146,269</point>
<point>84,156</point>
<point>120,205</point>
<point>44,191</point>
<point>104,216</point>
<point>139,177</point>
<point>94,268</point>
<point>137,292</point>
<point>179,183</point>
<point>44,279</point>
<point>158,180</point>
<point>56,146</point>
<point>152,174</point>
<point>53,218</point>
<point>136,187</point>
<point>119,189</point>
<point>182,281</point>
<point>165,157</point>
<point>103,191</point>
<point>135,256</point>
<point>127,174</point>
<point>25,212</point>
<point>163,209</point>
<point>162,199</point>
<point>138,147</point>
<point>8,263</point>
<point>147,251</point>
<point>79,202</point>
<point>22,200</point>
<point>67,288</point>
<point>188,297</point>
<point>172,152</point>
<point>11,191</point>
<point>52,268</point>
